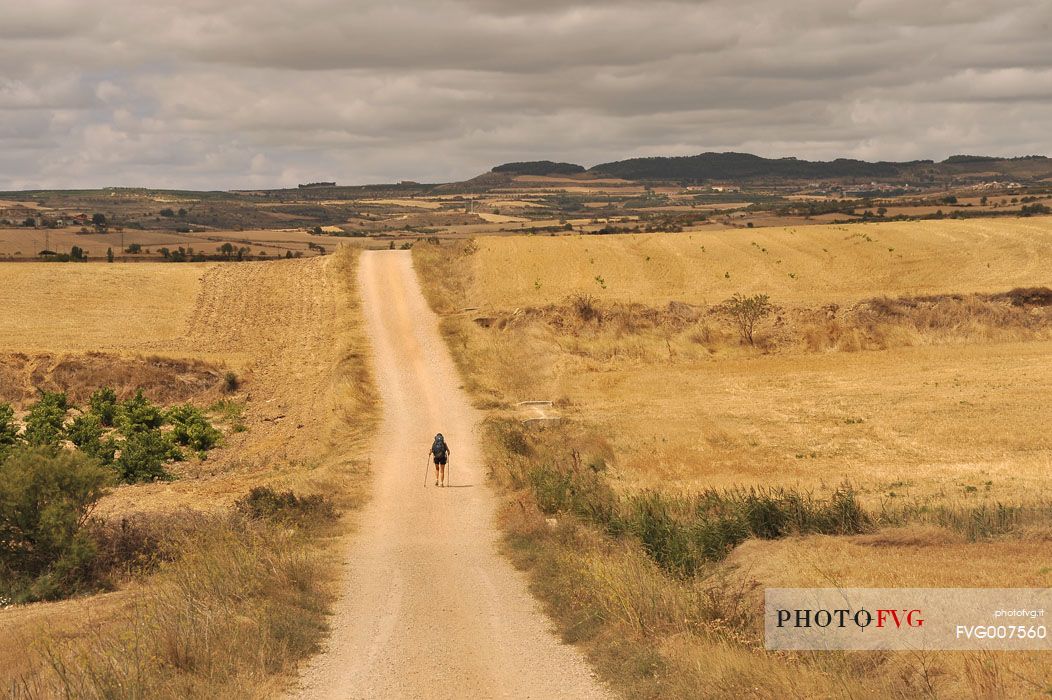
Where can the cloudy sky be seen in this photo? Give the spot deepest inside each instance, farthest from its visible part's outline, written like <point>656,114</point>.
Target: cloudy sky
<point>232,93</point>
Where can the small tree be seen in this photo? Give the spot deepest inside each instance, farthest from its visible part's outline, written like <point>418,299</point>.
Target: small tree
<point>745,312</point>
<point>143,455</point>
<point>138,414</point>
<point>104,405</point>
<point>8,429</point>
<point>45,419</point>
<point>109,255</point>
<point>46,495</point>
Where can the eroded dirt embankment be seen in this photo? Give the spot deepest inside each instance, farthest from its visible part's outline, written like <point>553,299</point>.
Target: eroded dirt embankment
<point>163,380</point>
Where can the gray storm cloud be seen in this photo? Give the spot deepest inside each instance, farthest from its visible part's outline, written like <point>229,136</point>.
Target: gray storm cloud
<point>221,93</point>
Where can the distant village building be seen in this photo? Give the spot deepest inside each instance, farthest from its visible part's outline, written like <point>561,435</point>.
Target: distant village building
<point>725,188</point>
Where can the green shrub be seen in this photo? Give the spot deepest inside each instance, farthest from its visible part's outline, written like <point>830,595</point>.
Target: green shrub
<point>103,451</point>
<point>746,312</point>
<point>766,517</point>
<point>576,490</point>
<point>264,503</point>
<point>8,429</point>
<point>104,405</point>
<point>86,429</point>
<point>842,515</point>
<point>46,494</point>
<point>138,414</point>
<point>192,429</point>
<point>143,455</point>
<point>684,532</point>
<point>87,433</point>
<point>45,419</point>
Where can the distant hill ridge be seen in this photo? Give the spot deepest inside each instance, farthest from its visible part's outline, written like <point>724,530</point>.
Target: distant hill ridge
<point>539,167</point>
<point>749,167</point>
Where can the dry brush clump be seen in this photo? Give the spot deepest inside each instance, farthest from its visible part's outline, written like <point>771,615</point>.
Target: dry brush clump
<point>880,323</point>
<point>606,330</point>
<point>981,521</point>
<point>240,606</point>
<point>162,379</point>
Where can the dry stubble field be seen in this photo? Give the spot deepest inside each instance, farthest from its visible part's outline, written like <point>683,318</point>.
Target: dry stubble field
<point>291,332</point>
<point>934,405</point>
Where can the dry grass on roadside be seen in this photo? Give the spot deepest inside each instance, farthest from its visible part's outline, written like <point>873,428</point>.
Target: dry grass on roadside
<point>239,607</point>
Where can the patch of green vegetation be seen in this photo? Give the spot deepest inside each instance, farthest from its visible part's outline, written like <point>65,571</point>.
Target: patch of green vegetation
<point>45,495</point>
<point>134,438</point>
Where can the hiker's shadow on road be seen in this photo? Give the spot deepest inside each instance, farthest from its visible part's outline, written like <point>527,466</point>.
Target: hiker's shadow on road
<point>459,486</point>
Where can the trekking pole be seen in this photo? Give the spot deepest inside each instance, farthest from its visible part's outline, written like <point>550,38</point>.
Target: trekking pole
<point>427,463</point>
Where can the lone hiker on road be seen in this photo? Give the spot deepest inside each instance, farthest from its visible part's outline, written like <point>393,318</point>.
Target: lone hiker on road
<point>440,453</point>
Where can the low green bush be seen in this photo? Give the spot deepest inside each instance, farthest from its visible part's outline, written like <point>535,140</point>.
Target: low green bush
<point>137,448</point>
<point>190,428</point>
<point>138,414</point>
<point>142,456</point>
<point>86,429</point>
<point>8,429</point>
<point>45,419</point>
<point>103,404</point>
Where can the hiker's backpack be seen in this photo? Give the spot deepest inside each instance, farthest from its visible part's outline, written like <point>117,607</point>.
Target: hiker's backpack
<point>438,448</point>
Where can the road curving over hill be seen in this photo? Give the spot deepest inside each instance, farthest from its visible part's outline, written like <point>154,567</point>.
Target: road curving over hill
<point>428,607</point>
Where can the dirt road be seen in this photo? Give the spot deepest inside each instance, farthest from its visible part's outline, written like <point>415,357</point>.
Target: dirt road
<point>429,607</point>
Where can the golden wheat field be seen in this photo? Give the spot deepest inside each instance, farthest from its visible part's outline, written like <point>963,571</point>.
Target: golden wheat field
<point>92,307</point>
<point>813,264</point>
<point>893,361</point>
